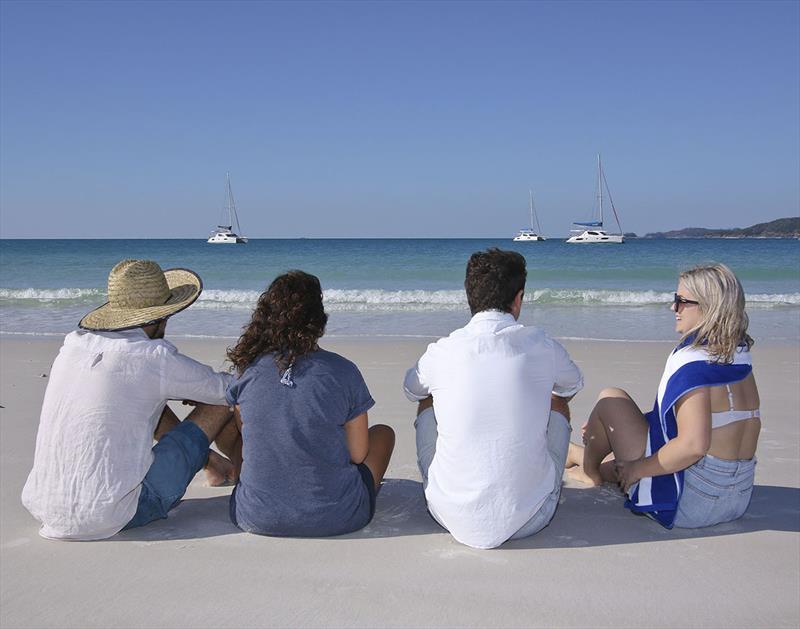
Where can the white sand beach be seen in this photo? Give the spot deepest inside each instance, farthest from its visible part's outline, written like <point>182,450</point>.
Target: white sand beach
<point>596,565</point>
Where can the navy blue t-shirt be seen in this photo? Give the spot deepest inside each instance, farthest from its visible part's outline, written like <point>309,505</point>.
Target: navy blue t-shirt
<point>297,478</point>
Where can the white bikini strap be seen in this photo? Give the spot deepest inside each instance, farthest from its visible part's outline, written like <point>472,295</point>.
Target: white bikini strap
<point>730,396</point>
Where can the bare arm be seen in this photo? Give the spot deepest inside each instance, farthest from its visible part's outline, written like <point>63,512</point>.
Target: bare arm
<point>356,433</point>
<point>693,414</point>
<point>560,405</point>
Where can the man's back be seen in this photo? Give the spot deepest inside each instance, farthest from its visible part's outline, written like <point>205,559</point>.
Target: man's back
<point>491,383</point>
<point>104,398</point>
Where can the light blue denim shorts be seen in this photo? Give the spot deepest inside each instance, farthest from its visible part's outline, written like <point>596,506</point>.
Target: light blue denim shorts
<point>558,432</point>
<point>715,490</point>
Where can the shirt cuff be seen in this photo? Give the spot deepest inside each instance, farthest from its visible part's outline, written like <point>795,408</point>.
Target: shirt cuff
<point>567,391</point>
<point>414,397</point>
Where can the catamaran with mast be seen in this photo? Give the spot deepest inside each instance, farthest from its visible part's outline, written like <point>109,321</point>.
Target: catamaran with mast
<point>527,235</point>
<point>225,234</point>
<point>590,232</point>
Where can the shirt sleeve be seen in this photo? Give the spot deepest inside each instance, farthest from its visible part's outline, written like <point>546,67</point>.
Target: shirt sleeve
<point>568,377</point>
<point>415,385</point>
<point>232,390</point>
<point>183,378</point>
<point>360,398</point>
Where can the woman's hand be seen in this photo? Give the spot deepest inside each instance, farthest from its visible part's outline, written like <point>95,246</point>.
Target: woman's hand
<point>627,473</point>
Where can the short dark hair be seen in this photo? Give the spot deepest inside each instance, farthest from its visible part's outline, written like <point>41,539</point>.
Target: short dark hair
<point>494,277</point>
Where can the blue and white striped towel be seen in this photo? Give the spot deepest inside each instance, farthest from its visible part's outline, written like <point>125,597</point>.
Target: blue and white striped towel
<point>687,368</point>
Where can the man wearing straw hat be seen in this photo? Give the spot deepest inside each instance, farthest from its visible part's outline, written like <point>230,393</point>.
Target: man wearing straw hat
<point>96,470</point>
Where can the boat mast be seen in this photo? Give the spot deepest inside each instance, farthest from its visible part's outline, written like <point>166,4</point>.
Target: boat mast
<point>613,207</point>
<point>530,205</point>
<point>600,188</point>
<point>233,219</point>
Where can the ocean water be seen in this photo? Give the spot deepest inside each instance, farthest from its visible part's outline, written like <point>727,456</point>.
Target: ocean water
<point>382,287</point>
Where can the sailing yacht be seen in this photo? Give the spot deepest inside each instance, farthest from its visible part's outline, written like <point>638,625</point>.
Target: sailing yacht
<point>225,234</point>
<point>526,235</point>
<point>590,232</point>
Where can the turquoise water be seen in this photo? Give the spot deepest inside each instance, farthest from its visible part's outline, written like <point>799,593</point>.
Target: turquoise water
<point>376,287</point>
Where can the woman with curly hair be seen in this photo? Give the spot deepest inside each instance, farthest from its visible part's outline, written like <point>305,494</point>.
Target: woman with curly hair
<point>311,467</point>
<point>690,462</point>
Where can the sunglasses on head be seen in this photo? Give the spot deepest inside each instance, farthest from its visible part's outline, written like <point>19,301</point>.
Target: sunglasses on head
<point>678,301</point>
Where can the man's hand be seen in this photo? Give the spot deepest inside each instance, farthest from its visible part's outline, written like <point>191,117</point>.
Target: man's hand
<point>560,405</point>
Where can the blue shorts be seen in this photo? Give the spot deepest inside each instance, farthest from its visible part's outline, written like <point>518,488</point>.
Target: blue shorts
<point>366,476</point>
<point>714,491</point>
<point>177,457</point>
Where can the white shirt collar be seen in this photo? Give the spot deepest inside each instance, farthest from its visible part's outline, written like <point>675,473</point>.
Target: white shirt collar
<point>494,316</point>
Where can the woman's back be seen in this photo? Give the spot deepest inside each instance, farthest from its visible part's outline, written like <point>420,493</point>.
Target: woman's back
<point>735,440</point>
<point>296,477</point>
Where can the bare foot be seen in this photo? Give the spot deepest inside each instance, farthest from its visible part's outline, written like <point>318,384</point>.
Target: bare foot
<point>577,473</point>
<point>219,470</point>
<point>574,455</point>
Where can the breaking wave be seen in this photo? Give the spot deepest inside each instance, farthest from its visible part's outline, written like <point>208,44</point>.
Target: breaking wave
<point>388,300</point>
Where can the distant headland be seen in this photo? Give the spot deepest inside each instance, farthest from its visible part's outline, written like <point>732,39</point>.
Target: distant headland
<point>780,228</point>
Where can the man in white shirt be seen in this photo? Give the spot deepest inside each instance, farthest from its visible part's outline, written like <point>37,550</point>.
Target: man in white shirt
<point>95,469</point>
<point>490,450</point>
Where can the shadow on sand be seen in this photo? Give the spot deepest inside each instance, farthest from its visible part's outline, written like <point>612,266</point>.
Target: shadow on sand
<point>585,518</point>
<point>596,517</point>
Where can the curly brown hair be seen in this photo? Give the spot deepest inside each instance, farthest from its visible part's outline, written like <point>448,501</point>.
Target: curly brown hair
<point>288,320</point>
<point>494,277</point>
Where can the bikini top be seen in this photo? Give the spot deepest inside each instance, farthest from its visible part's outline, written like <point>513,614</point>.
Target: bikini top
<point>723,418</point>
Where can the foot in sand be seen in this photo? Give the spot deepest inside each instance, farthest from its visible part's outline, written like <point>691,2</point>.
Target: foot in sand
<point>574,456</point>
<point>577,473</point>
<point>219,470</point>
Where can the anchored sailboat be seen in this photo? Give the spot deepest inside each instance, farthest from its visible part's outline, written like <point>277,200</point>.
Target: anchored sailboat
<point>592,231</point>
<point>225,234</point>
<point>530,234</point>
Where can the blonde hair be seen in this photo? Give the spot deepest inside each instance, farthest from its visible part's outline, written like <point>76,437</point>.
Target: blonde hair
<point>723,324</point>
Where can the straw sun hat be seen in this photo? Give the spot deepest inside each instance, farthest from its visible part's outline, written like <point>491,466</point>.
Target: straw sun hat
<point>140,293</point>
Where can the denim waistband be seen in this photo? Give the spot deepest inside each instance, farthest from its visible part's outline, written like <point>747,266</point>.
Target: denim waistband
<point>726,466</point>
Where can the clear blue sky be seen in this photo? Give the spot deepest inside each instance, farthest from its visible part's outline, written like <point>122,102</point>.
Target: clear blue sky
<point>394,119</point>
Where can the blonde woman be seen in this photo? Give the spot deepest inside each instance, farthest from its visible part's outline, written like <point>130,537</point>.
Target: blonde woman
<point>689,462</point>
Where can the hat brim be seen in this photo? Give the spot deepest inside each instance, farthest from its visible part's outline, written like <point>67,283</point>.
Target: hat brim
<point>184,286</point>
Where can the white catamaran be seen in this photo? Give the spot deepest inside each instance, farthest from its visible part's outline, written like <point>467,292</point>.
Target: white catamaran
<point>225,234</point>
<point>530,234</point>
<point>590,232</point>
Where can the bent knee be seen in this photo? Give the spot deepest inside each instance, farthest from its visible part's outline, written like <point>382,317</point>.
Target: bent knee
<point>382,431</point>
<point>613,392</point>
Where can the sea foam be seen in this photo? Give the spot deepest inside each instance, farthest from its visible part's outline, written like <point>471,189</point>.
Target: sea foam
<point>390,300</point>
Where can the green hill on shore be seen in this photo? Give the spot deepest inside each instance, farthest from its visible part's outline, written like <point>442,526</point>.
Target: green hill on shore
<point>780,228</point>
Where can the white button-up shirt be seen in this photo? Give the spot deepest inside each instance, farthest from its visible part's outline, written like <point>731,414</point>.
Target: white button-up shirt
<point>103,401</point>
<point>491,383</point>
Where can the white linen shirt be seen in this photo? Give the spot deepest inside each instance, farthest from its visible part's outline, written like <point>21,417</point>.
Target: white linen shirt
<point>491,383</point>
<point>103,401</point>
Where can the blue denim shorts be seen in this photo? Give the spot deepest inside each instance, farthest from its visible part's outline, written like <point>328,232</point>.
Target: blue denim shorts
<point>715,490</point>
<point>177,457</point>
<point>558,432</point>
<point>366,478</point>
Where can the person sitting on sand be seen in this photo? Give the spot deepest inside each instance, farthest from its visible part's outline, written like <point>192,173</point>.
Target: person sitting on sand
<point>95,470</point>
<point>311,467</point>
<point>492,424</point>
<point>690,462</point>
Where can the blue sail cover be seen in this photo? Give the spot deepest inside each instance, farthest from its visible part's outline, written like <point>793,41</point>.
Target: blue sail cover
<point>588,224</point>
